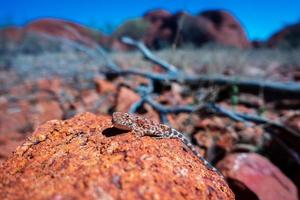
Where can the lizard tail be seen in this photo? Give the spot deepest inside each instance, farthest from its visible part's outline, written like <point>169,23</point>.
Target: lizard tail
<point>196,153</point>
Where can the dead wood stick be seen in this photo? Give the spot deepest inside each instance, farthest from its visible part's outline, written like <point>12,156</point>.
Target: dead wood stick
<point>272,90</point>
<point>149,55</point>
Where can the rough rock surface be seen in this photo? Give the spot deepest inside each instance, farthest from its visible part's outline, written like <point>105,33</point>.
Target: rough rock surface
<point>254,177</point>
<point>86,158</point>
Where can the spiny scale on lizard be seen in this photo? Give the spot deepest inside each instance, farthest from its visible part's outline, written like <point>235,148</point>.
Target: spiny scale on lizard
<point>141,126</point>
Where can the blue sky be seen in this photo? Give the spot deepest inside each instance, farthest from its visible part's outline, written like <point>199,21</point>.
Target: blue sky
<point>260,18</point>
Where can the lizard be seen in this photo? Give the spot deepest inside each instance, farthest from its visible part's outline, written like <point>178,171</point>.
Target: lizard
<point>141,126</point>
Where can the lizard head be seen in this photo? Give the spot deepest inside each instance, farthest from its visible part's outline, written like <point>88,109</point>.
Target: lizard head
<point>123,121</point>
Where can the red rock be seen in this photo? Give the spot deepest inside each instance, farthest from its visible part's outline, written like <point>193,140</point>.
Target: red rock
<point>215,136</point>
<point>181,28</point>
<point>162,30</point>
<point>103,86</point>
<point>64,29</point>
<point>165,29</point>
<point>228,30</point>
<point>288,36</point>
<point>13,33</point>
<point>57,28</point>
<point>156,18</point>
<point>259,175</point>
<point>91,101</point>
<point>100,101</point>
<point>53,84</point>
<point>197,30</point>
<point>157,15</point>
<point>126,98</point>
<point>85,158</point>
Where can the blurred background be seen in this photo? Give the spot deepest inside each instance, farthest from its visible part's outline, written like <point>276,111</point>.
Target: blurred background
<point>260,19</point>
<point>271,28</point>
<point>54,57</point>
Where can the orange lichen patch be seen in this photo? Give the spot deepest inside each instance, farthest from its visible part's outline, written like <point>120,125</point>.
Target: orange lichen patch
<point>85,158</point>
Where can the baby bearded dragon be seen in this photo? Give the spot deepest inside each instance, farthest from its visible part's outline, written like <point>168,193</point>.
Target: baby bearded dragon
<point>141,126</point>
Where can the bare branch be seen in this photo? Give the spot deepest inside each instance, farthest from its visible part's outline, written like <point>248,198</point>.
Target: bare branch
<point>136,106</point>
<point>289,90</point>
<point>149,56</point>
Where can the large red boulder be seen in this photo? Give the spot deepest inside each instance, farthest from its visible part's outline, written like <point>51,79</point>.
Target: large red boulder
<point>86,158</point>
<point>181,28</point>
<point>65,29</point>
<point>40,31</point>
<point>227,29</point>
<point>287,37</point>
<point>156,31</point>
<point>196,30</point>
